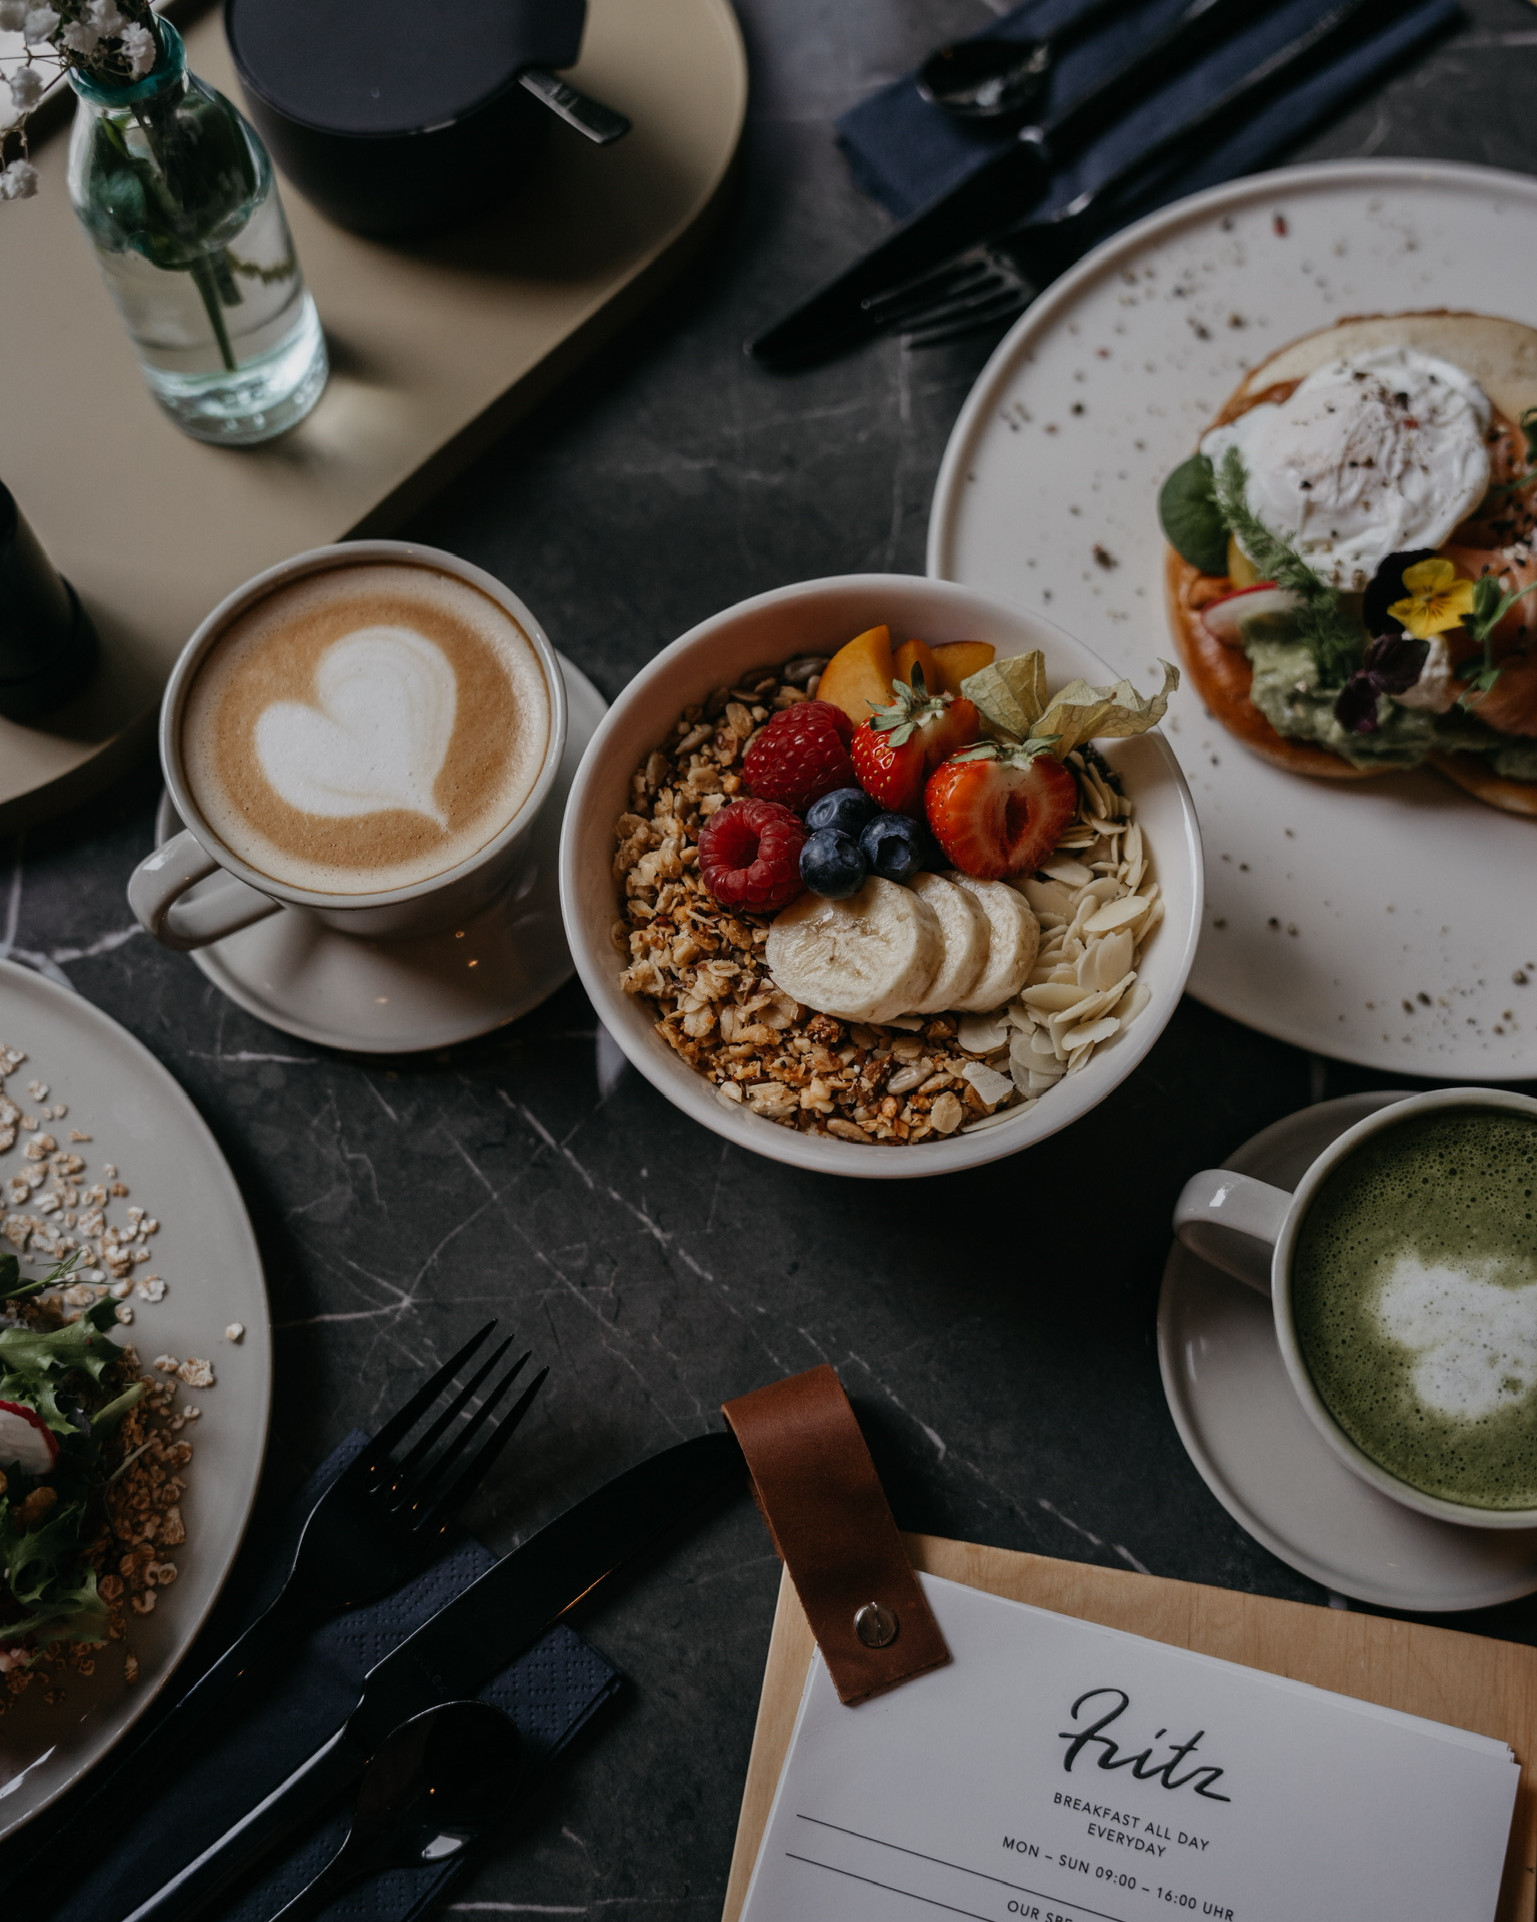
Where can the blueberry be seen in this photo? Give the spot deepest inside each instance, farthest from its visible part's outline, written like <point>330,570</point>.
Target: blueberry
<point>832,865</point>
<point>846,809</point>
<point>895,846</point>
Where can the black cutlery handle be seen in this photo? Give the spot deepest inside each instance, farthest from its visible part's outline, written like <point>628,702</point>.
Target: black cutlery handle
<point>1139,178</point>
<point>290,1809</point>
<point>1193,34</point>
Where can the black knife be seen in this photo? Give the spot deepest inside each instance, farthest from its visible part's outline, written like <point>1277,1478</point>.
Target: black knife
<point>455,1654</point>
<point>1002,190</point>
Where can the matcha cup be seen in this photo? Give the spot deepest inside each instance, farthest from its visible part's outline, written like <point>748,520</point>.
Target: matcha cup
<point>1250,1230</point>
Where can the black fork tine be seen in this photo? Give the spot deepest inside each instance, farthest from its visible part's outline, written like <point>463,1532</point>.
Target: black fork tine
<point>440,1426</point>
<point>933,284</point>
<point>399,1425</point>
<point>475,1423</point>
<point>964,317</point>
<point>480,1464</point>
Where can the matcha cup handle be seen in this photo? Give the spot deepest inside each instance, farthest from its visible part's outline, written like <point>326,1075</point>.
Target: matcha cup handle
<point>1233,1222</point>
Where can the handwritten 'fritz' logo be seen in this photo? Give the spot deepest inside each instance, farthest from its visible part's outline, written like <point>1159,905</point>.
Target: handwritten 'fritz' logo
<point>1115,1702</point>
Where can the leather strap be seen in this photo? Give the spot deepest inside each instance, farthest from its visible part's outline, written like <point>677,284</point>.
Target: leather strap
<point>830,1520</point>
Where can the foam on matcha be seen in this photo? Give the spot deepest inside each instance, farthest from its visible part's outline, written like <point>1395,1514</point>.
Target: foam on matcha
<point>1415,1303</point>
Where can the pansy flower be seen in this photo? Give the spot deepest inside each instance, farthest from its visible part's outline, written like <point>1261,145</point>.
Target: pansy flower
<point>1438,598</point>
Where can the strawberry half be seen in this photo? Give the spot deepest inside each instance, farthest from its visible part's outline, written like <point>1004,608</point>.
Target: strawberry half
<point>998,810</point>
<point>897,749</point>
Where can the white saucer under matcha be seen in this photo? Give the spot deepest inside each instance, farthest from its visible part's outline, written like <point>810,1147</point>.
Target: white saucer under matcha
<point>1260,1455</point>
<point>429,991</point>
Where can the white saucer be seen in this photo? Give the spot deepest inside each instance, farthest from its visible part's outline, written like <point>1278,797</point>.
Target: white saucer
<point>398,997</point>
<point>1258,1453</point>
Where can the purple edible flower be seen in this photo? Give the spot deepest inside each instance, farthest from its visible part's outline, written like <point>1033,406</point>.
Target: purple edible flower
<point>1392,666</point>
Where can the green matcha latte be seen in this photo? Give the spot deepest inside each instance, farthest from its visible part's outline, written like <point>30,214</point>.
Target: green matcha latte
<point>1414,1299</point>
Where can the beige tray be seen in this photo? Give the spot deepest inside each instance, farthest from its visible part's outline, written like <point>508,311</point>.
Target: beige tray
<point>1467,1680</point>
<point>436,348</point>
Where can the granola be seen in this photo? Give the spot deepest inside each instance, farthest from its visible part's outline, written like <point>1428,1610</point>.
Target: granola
<point>703,968</point>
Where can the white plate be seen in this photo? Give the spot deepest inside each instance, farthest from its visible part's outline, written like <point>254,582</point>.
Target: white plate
<point>398,997</point>
<point>1259,1454</point>
<point>1381,921</point>
<point>140,1119</point>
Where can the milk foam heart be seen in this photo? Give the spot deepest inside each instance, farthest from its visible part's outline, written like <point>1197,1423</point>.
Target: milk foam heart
<point>366,727</point>
<point>379,736</point>
<point>1473,1337</point>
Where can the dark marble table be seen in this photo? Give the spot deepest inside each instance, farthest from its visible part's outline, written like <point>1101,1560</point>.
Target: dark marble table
<point>996,1330</point>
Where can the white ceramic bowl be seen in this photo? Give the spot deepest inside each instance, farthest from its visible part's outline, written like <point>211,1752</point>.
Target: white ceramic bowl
<point>817,617</point>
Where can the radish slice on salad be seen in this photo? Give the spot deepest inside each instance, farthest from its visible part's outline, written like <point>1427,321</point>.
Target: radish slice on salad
<point>26,1440</point>
<point>1225,619</point>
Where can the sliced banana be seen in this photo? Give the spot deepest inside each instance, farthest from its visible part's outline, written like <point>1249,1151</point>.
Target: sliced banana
<point>863,959</point>
<point>967,938</point>
<point>1015,935</point>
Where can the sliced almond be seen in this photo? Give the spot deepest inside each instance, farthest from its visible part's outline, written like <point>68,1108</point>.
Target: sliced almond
<point>1072,873</point>
<point>1090,1033</point>
<point>1117,914</point>
<point>1051,997</point>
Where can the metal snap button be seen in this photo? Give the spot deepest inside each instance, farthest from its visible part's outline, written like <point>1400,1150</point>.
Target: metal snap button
<point>875,1625</point>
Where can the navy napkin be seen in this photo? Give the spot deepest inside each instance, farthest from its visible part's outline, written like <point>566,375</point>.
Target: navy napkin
<point>552,1692</point>
<point>906,152</point>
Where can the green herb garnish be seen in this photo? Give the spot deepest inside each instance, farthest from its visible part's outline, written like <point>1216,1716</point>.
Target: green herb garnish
<point>1190,517</point>
<point>1490,606</point>
<point>1320,619</point>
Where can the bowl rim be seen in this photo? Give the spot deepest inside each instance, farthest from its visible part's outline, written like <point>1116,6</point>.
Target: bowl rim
<point>690,1091</point>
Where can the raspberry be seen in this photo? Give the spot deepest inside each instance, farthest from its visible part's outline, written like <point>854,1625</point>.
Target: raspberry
<point>750,855</point>
<point>801,754</point>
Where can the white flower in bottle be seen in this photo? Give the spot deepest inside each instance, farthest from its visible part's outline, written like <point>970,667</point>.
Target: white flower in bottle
<point>79,38</point>
<point>13,15</point>
<point>18,181</point>
<point>139,50</point>
<point>40,24</point>
<point>27,88</point>
<point>104,17</point>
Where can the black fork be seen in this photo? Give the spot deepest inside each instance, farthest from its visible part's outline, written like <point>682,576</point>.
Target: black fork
<point>379,1523</point>
<point>990,282</point>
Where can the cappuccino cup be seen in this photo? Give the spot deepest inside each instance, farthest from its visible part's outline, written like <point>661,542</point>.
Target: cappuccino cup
<point>364,734</point>
<point>1402,1275</point>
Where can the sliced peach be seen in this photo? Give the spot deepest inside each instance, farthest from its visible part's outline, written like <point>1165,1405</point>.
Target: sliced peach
<point>913,654</point>
<point>858,677</point>
<point>956,659</point>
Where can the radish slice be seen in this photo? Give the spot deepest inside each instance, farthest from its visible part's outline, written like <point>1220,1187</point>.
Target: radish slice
<point>26,1440</point>
<point>1225,619</point>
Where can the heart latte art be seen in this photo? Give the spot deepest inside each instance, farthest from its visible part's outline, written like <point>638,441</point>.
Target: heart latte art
<point>378,734</point>
<point>366,728</point>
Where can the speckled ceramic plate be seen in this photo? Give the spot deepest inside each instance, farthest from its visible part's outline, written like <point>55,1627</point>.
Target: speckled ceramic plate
<point>139,1119</point>
<point>1258,1451</point>
<point>1381,921</point>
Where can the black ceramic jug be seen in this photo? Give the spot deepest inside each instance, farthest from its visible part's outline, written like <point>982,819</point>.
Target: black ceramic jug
<point>400,116</point>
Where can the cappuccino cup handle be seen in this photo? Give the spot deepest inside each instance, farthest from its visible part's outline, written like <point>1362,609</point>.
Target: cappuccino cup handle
<point>1233,1222</point>
<point>157,884</point>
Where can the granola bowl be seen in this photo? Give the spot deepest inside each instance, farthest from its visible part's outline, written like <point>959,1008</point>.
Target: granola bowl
<point>697,1011</point>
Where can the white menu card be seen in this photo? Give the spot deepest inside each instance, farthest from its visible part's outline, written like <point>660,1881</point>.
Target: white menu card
<point>1057,1771</point>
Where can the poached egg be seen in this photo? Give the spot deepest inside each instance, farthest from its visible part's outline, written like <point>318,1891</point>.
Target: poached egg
<point>1369,455</point>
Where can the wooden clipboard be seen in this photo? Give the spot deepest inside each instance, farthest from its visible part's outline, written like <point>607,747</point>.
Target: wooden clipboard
<point>1469,1681</point>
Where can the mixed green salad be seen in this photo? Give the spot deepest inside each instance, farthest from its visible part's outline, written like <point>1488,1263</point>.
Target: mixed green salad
<point>65,1387</point>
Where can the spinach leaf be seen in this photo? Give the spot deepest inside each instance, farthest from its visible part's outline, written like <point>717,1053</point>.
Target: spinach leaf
<point>1191,519</point>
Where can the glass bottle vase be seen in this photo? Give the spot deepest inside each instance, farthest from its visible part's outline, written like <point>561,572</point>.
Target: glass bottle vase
<point>177,194</point>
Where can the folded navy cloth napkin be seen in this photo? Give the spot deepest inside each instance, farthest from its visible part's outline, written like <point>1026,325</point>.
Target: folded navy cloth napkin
<point>551,1692</point>
<point>906,152</point>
